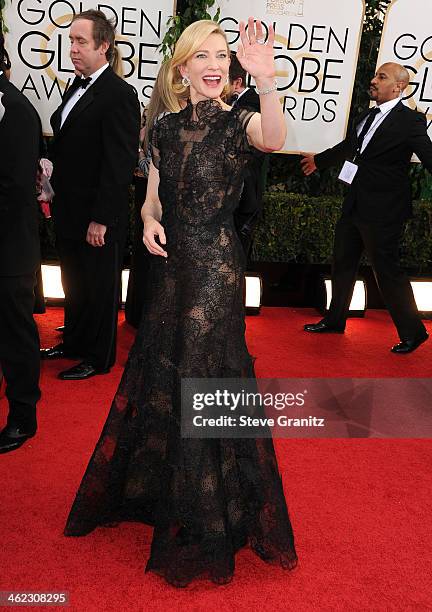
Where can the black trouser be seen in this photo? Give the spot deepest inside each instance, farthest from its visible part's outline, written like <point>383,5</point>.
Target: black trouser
<point>381,243</point>
<point>39,307</point>
<point>249,209</point>
<point>19,349</point>
<point>91,283</point>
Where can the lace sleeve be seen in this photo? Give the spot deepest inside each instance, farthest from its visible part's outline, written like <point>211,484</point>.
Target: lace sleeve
<point>244,116</point>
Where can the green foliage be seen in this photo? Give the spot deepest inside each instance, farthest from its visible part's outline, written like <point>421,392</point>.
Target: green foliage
<point>416,250</point>
<point>3,27</point>
<point>298,228</point>
<point>193,10</point>
<point>426,188</point>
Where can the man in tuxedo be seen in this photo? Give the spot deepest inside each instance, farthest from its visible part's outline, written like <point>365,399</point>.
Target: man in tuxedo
<point>250,206</point>
<point>94,151</point>
<point>19,259</point>
<point>376,157</point>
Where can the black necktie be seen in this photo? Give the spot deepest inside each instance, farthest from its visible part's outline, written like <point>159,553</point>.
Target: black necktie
<point>85,82</point>
<point>370,119</point>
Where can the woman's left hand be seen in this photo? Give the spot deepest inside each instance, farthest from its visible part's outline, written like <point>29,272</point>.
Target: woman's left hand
<point>257,58</point>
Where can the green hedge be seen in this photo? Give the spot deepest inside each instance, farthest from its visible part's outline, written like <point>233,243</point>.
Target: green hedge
<point>298,228</point>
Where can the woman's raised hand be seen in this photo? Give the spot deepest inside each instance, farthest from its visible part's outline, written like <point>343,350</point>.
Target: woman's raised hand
<point>254,54</point>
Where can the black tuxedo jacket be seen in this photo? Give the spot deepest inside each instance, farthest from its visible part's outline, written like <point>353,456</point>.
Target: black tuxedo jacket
<point>20,141</point>
<point>381,189</point>
<point>94,155</point>
<point>250,99</point>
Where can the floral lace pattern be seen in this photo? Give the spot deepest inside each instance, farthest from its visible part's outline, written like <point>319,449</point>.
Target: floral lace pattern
<point>206,498</point>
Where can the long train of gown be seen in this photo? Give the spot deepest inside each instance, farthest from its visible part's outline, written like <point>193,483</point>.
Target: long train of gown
<point>206,498</point>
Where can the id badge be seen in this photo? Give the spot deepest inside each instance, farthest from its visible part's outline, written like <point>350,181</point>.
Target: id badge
<point>348,172</point>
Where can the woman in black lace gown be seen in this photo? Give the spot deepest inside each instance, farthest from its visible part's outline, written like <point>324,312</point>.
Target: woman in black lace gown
<point>206,498</point>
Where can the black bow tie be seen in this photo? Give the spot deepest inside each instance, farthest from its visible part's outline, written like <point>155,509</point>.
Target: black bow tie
<point>85,82</point>
<point>233,99</point>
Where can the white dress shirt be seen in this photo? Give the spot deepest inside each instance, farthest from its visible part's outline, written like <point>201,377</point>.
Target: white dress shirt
<point>385,109</point>
<point>80,92</point>
<point>239,95</point>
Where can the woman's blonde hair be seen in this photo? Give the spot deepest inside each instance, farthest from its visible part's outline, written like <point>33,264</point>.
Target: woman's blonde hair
<point>116,62</point>
<point>189,43</point>
<point>162,99</point>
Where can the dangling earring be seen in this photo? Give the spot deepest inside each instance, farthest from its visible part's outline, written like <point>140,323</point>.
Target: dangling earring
<point>185,81</point>
<point>227,80</point>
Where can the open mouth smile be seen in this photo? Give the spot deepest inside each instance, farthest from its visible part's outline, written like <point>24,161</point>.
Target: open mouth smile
<point>212,80</point>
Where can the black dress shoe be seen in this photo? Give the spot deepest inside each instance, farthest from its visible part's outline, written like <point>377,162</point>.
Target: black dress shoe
<point>55,352</point>
<point>408,346</point>
<point>81,371</point>
<point>323,328</point>
<point>12,438</point>
<point>60,328</point>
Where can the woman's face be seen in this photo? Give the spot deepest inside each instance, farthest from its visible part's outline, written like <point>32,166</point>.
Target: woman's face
<point>207,69</point>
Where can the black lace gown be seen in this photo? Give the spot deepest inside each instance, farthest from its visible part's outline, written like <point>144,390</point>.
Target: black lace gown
<point>206,498</point>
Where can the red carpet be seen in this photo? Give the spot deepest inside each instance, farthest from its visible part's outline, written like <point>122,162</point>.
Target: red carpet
<point>361,509</point>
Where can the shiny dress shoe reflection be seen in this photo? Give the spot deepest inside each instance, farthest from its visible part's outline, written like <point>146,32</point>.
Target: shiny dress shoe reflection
<point>56,352</point>
<point>14,436</point>
<point>408,346</point>
<point>82,371</point>
<point>323,328</point>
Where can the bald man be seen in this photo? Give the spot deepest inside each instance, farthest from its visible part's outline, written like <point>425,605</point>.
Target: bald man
<point>375,159</point>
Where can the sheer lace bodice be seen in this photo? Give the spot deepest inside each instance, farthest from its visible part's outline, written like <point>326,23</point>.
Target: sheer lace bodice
<point>205,497</point>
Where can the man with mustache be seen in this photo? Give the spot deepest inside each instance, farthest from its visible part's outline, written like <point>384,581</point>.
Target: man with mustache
<point>376,156</point>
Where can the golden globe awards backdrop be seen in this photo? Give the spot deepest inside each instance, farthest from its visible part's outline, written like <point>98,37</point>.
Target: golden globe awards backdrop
<point>316,49</point>
<point>407,40</point>
<point>38,45</point>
